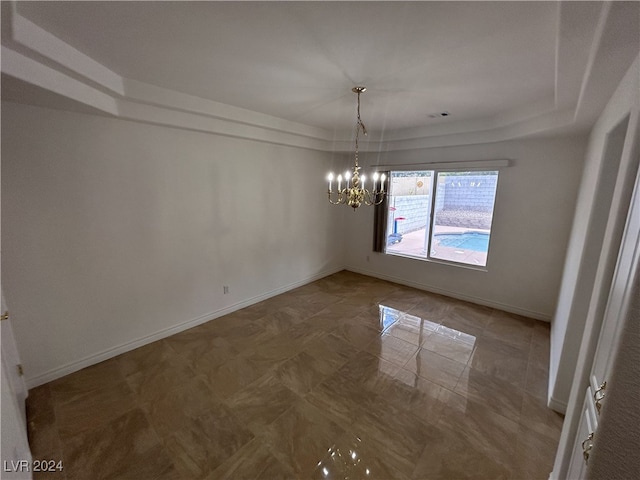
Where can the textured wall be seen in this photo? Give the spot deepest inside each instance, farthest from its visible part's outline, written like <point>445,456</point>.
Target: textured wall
<point>462,201</point>
<point>469,192</point>
<point>414,209</point>
<point>615,451</point>
<point>597,224</point>
<point>527,251</point>
<point>114,231</point>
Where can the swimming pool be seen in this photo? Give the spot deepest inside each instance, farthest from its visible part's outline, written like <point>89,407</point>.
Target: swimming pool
<point>478,242</point>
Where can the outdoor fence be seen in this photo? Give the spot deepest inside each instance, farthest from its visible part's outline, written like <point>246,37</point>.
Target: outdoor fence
<point>462,201</point>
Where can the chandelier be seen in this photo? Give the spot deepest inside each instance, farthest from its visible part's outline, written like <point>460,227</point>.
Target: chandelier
<point>354,193</point>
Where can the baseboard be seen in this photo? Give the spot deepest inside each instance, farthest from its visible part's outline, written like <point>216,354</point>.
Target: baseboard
<point>467,298</point>
<point>74,366</point>
<point>557,405</point>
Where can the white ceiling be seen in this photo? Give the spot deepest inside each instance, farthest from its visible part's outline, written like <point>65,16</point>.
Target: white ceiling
<point>488,64</point>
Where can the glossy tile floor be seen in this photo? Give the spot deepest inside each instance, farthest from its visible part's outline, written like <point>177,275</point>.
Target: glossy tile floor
<point>347,377</point>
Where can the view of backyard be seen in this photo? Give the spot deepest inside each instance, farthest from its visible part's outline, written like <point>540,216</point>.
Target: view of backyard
<point>463,213</point>
<point>414,244</point>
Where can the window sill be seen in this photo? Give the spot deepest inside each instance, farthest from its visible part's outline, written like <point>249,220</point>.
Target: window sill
<point>468,266</point>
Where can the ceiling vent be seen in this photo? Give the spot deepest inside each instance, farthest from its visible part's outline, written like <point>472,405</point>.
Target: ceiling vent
<point>439,115</point>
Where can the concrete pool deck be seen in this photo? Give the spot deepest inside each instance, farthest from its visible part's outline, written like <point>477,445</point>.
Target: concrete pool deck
<point>413,245</point>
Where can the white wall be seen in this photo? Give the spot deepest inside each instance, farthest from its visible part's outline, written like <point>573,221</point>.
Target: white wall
<point>115,232</point>
<point>534,207</point>
<point>597,226</point>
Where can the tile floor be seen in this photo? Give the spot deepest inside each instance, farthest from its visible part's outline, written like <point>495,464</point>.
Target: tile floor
<point>347,377</point>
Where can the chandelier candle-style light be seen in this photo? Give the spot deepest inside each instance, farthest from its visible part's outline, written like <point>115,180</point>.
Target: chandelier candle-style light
<point>354,193</point>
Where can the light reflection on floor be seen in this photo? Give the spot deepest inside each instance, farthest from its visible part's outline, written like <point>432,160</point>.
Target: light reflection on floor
<point>346,464</point>
<point>395,324</point>
<point>346,377</point>
<point>418,331</point>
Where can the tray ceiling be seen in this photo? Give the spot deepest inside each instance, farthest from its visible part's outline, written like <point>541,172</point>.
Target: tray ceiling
<point>290,66</point>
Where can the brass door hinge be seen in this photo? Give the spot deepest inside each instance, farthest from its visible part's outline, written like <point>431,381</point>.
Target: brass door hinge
<point>599,395</point>
<point>5,315</point>
<point>20,369</point>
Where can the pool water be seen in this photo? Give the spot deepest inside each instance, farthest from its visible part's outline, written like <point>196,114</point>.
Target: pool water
<point>478,242</point>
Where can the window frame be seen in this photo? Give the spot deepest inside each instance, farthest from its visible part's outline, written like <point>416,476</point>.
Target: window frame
<point>437,169</point>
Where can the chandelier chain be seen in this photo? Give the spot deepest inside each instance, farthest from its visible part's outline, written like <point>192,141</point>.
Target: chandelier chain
<point>359,123</point>
<point>354,192</point>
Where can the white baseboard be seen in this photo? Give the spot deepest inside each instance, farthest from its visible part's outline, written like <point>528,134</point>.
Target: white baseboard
<point>557,405</point>
<point>467,298</point>
<point>74,366</point>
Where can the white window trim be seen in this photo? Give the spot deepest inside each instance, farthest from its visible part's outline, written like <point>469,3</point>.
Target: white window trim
<point>480,165</point>
<point>470,165</point>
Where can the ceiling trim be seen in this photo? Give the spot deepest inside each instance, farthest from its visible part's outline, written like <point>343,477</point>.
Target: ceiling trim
<point>34,56</point>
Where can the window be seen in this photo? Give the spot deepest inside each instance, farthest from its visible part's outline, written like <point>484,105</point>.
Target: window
<point>442,215</point>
